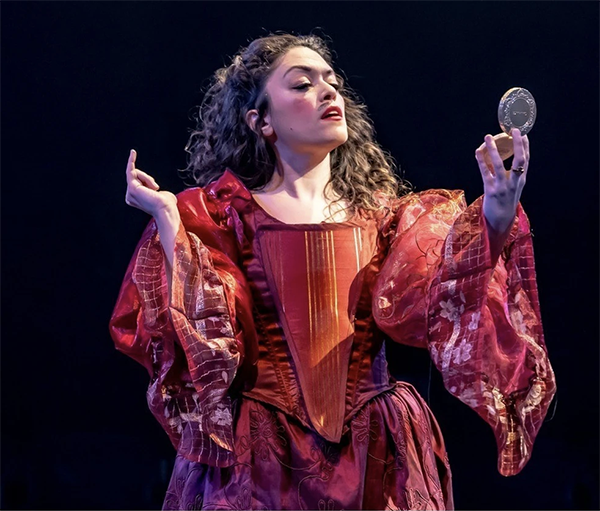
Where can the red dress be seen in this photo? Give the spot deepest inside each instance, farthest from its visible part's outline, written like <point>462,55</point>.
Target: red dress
<point>268,367</point>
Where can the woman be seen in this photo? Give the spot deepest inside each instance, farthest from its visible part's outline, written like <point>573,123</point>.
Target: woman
<point>259,301</point>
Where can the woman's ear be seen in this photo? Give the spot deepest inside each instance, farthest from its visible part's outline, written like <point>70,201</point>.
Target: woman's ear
<point>252,118</point>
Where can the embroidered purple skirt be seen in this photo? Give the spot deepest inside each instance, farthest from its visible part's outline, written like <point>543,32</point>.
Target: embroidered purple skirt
<point>393,457</point>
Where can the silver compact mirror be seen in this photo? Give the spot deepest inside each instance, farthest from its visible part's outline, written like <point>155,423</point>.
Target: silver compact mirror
<point>517,109</point>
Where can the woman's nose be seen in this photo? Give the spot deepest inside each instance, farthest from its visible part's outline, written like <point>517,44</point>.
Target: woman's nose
<point>329,92</point>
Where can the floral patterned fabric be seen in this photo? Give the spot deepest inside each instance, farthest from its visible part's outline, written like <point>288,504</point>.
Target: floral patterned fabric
<point>232,383</point>
<point>480,319</point>
<point>393,457</point>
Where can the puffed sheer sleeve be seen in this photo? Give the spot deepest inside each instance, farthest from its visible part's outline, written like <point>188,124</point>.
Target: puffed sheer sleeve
<point>192,345</point>
<point>439,289</point>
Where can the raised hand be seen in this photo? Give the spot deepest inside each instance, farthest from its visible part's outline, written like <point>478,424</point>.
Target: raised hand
<point>502,187</point>
<point>142,191</point>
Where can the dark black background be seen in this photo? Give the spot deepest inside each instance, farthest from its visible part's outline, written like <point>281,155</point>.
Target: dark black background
<point>83,82</point>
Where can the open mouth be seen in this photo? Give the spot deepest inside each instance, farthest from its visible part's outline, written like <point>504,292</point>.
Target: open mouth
<point>332,113</point>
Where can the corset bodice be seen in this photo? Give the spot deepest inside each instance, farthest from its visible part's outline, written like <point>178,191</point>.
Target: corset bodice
<point>320,355</point>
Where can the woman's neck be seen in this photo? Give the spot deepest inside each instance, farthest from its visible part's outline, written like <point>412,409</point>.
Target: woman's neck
<point>298,192</point>
<point>301,177</point>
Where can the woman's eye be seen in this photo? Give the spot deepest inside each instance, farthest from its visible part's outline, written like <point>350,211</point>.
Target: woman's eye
<point>302,86</point>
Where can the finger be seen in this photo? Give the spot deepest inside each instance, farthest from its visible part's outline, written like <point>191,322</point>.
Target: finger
<point>521,160</point>
<point>130,165</point>
<point>497,162</point>
<point>527,159</point>
<point>146,179</point>
<point>518,148</point>
<point>484,167</point>
<point>486,157</point>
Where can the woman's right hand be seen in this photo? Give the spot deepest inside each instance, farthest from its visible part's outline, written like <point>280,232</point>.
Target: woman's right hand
<point>142,191</point>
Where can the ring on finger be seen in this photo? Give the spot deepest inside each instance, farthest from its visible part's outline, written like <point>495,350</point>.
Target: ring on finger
<point>518,170</point>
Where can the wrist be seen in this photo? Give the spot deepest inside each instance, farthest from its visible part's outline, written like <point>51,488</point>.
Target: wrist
<point>166,214</point>
<point>497,235</point>
<point>500,226</point>
<point>166,210</point>
<point>498,219</point>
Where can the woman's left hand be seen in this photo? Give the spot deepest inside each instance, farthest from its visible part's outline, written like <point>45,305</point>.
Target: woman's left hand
<point>502,188</point>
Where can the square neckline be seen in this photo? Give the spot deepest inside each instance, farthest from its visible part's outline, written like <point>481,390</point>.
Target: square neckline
<point>257,205</point>
<point>231,186</point>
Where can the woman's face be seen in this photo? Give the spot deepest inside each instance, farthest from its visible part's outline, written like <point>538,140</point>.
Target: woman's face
<point>301,91</point>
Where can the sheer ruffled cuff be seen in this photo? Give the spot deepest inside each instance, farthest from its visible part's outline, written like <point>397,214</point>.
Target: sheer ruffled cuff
<point>193,346</point>
<point>485,333</point>
<point>197,415</point>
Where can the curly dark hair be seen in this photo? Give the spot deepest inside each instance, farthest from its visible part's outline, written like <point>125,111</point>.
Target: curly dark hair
<point>361,171</point>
